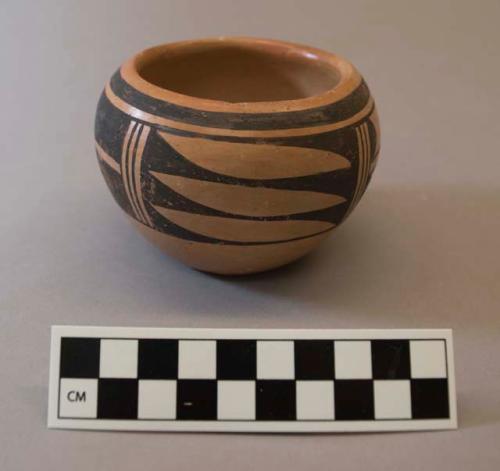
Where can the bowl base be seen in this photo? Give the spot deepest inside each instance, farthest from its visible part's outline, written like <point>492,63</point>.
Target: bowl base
<point>230,259</point>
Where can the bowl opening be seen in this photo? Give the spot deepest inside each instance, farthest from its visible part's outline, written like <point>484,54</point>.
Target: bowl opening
<point>238,72</point>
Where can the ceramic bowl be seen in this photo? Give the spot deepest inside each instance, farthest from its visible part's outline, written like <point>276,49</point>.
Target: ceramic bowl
<point>236,155</point>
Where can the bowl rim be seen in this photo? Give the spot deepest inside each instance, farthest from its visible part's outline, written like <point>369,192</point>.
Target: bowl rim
<point>349,77</point>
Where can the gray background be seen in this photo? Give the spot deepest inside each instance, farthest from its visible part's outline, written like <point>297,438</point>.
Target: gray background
<point>421,250</point>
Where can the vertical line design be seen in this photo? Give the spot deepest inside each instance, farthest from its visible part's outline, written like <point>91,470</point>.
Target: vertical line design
<point>130,175</point>
<point>127,145</point>
<point>123,161</point>
<point>361,159</point>
<point>137,173</point>
<point>368,152</point>
<point>360,150</point>
<point>132,151</point>
<point>362,163</point>
<point>364,150</point>
<point>366,166</point>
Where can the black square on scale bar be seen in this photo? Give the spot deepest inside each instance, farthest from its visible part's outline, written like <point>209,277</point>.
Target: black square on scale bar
<point>79,357</point>
<point>354,399</point>
<point>391,359</point>
<point>314,359</point>
<point>117,399</point>
<point>236,359</point>
<point>196,399</point>
<point>158,358</point>
<point>429,398</point>
<point>276,400</point>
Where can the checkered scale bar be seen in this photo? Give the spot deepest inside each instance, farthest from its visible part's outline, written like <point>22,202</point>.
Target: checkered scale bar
<point>242,381</point>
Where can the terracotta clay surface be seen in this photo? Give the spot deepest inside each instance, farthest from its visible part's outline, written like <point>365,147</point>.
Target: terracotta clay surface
<point>236,155</point>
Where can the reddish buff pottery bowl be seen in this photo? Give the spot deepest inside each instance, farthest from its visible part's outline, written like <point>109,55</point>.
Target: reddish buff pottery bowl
<point>236,155</point>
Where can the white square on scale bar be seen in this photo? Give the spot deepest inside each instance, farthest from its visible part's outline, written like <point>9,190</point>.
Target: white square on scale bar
<point>353,359</point>
<point>315,400</point>
<point>428,359</point>
<point>157,399</point>
<point>197,359</point>
<point>118,358</point>
<point>392,399</point>
<point>78,398</point>
<point>236,400</point>
<point>275,359</point>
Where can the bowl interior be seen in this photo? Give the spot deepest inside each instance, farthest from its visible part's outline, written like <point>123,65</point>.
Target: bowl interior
<point>239,73</point>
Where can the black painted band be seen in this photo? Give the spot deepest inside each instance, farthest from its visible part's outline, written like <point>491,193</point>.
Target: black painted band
<point>327,114</point>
